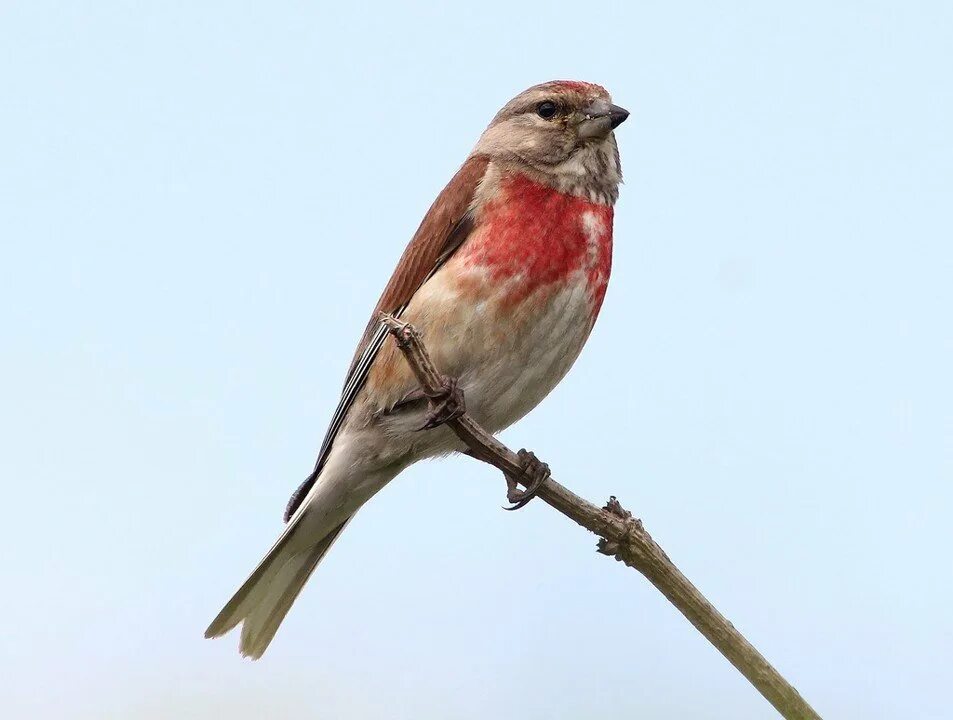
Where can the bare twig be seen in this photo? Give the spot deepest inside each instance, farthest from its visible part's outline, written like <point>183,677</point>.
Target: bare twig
<point>622,537</point>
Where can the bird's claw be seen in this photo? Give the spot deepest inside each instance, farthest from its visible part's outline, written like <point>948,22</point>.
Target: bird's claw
<point>534,474</point>
<point>445,405</point>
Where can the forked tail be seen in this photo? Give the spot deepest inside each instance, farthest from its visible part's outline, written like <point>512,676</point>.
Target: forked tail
<point>264,599</point>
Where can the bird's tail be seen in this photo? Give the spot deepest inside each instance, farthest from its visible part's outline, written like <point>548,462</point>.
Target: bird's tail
<point>264,599</point>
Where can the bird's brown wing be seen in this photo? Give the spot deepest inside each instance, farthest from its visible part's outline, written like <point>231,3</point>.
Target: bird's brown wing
<point>444,229</point>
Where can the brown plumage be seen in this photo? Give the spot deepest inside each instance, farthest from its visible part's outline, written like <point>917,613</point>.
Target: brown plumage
<point>439,234</point>
<point>443,229</point>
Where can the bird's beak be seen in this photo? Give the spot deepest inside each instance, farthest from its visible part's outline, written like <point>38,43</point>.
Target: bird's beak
<point>600,118</point>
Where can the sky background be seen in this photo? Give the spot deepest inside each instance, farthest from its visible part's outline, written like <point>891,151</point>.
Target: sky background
<point>199,204</point>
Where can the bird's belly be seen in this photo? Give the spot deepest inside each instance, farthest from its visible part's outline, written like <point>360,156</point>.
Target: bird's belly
<point>507,354</point>
<point>525,352</point>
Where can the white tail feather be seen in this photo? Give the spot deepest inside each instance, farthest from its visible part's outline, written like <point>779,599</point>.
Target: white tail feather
<point>264,599</point>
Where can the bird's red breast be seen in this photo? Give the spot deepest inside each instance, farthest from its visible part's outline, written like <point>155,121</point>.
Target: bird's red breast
<point>540,237</point>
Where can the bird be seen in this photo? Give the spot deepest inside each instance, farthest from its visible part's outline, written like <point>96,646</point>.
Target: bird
<point>504,280</point>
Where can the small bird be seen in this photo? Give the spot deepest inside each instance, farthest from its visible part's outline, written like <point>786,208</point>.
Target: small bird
<point>504,280</point>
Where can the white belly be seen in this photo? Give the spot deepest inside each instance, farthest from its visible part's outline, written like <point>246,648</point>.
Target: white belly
<point>506,359</point>
<point>517,373</point>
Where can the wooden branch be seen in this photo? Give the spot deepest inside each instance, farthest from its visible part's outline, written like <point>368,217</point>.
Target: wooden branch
<point>622,537</point>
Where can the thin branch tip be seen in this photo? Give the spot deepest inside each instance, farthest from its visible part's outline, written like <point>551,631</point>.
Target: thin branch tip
<point>403,332</point>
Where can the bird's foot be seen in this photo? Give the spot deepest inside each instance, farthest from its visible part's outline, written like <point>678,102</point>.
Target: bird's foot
<point>534,474</point>
<point>445,405</point>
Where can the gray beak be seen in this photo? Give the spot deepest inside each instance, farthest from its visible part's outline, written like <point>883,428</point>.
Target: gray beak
<point>600,118</point>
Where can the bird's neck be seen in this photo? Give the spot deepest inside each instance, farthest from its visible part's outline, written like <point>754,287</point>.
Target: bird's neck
<point>592,172</point>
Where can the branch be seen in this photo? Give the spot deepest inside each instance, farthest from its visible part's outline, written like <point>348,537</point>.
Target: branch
<point>622,537</point>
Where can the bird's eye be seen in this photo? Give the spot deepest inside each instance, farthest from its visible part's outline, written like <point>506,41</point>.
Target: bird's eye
<point>546,110</point>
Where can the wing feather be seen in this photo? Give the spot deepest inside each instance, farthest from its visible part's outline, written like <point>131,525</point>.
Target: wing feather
<point>443,230</point>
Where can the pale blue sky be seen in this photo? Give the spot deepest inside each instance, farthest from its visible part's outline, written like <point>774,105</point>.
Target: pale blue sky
<point>199,203</point>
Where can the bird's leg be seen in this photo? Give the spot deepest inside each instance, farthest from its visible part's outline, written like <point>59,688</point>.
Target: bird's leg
<point>533,476</point>
<point>445,405</point>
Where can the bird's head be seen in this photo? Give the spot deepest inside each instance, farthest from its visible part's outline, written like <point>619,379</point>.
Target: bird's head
<point>562,132</point>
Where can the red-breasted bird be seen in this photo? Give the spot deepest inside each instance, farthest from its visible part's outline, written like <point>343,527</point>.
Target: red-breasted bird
<point>504,279</point>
